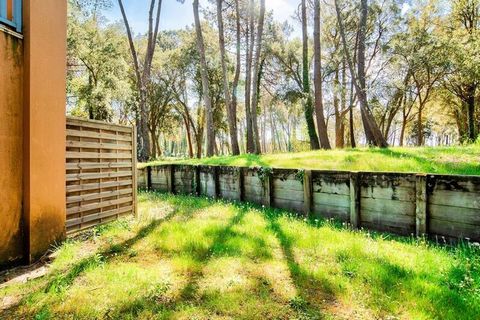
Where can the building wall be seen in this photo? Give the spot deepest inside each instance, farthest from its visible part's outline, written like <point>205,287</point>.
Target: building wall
<point>45,24</point>
<point>32,133</point>
<point>11,153</point>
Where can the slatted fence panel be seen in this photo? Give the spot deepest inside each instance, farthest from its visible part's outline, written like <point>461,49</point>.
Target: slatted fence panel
<point>101,182</point>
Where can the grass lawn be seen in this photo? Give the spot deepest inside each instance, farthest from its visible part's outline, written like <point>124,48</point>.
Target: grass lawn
<point>195,258</point>
<point>441,160</point>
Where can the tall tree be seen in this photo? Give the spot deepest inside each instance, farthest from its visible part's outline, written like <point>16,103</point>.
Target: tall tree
<point>231,113</point>
<point>250,43</point>
<point>205,83</point>
<point>257,76</point>
<point>317,74</point>
<point>372,131</point>
<point>307,104</point>
<point>143,74</point>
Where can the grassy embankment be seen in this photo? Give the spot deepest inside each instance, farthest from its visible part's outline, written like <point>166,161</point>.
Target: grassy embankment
<point>441,160</point>
<point>195,258</point>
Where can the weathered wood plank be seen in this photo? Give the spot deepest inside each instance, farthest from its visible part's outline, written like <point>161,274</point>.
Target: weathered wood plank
<point>331,188</point>
<point>97,165</point>
<point>329,211</point>
<point>96,175</point>
<point>97,145</point>
<point>95,124</point>
<point>100,195</point>
<point>338,200</point>
<point>96,155</point>
<point>390,207</point>
<point>290,184</point>
<point>98,205</point>
<point>296,206</point>
<point>452,214</point>
<point>97,185</point>
<point>455,198</point>
<point>387,218</point>
<point>454,229</point>
<point>96,135</point>
<point>285,194</point>
<point>400,193</point>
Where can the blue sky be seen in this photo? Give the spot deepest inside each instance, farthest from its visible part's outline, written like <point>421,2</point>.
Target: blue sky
<point>176,15</point>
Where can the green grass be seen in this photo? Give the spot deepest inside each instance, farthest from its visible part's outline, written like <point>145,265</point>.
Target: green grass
<point>440,160</point>
<point>195,258</point>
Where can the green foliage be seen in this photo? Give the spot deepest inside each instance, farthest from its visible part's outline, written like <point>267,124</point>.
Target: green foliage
<point>97,59</point>
<point>263,173</point>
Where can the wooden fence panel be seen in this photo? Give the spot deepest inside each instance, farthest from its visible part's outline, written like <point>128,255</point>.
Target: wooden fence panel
<point>454,206</point>
<point>159,178</point>
<point>229,182</point>
<point>253,186</point>
<point>287,189</point>
<point>184,179</point>
<point>331,194</point>
<point>387,202</point>
<point>101,171</point>
<point>207,181</point>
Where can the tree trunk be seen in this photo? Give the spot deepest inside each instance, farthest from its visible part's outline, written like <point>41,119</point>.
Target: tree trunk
<point>472,134</point>
<point>238,65</point>
<point>339,114</point>
<point>372,132</point>
<point>317,78</point>
<point>205,84</point>
<point>420,125</point>
<point>256,77</point>
<point>250,40</point>
<point>307,103</point>
<point>142,79</point>
<point>232,117</point>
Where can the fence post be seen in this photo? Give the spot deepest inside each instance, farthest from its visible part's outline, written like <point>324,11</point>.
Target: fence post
<point>149,178</point>
<point>170,178</point>
<point>267,190</point>
<point>134,171</point>
<point>355,199</point>
<point>420,205</point>
<point>307,192</point>
<point>216,182</point>
<point>241,184</point>
<point>197,180</point>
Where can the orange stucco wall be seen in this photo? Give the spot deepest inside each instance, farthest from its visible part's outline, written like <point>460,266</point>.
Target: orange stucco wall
<point>44,125</point>
<point>32,133</point>
<point>11,154</point>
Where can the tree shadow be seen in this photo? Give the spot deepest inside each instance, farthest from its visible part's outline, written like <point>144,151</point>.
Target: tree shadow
<point>313,292</point>
<point>63,279</point>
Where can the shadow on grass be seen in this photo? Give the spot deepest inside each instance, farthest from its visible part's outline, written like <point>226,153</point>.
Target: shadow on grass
<point>384,281</point>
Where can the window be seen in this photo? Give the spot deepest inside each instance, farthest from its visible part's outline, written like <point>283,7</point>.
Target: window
<point>11,14</point>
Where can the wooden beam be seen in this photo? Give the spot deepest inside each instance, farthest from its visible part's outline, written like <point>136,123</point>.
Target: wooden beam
<point>355,199</point>
<point>421,205</point>
<point>307,192</point>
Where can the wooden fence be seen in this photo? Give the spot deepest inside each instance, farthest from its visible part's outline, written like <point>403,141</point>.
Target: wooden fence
<point>445,207</point>
<point>101,173</point>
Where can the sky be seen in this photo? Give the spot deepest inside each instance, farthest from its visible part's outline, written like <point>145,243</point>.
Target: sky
<point>176,15</point>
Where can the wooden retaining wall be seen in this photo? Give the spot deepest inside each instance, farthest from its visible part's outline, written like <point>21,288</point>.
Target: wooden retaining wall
<point>439,206</point>
<point>101,173</point>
